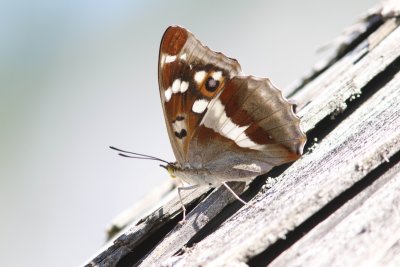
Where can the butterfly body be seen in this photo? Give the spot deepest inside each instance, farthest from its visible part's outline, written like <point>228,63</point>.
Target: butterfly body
<point>210,177</point>
<point>223,125</point>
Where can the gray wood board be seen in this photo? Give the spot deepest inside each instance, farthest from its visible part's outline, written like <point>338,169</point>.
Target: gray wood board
<point>338,85</point>
<point>363,232</point>
<point>139,230</point>
<point>196,220</point>
<point>158,196</point>
<point>343,69</point>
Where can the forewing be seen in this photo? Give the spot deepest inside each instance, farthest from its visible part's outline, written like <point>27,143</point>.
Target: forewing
<point>190,76</point>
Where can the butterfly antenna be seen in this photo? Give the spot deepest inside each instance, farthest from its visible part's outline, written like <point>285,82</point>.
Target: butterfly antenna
<point>137,155</point>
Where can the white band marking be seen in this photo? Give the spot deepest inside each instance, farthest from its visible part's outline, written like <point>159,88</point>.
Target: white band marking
<point>200,105</point>
<point>216,119</point>
<point>248,167</point>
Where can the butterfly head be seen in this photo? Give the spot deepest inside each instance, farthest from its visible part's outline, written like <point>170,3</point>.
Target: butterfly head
<point>171,169</point>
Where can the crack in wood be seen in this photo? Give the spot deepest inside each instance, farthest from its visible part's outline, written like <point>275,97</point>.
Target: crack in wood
<point>325,126</point>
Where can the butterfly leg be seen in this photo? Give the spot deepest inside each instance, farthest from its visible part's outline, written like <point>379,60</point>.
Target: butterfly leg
<point>185,188</point>
<point>233,193</point>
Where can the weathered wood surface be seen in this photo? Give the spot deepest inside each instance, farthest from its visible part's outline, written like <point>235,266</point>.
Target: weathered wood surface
<point>141,229</point>
<point>158,196</point>
<point>371,217</point>
<point>343,194</point>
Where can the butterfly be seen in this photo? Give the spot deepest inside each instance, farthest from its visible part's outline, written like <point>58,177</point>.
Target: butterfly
<point>223,125</point>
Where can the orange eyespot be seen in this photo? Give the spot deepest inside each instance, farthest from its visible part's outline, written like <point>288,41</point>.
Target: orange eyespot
<point>212,83</point>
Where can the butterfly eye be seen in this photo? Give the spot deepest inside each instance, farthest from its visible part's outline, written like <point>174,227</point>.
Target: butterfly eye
<point>211,84</point>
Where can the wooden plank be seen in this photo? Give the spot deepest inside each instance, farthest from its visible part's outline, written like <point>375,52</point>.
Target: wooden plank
<point>155,198</point>
<point>357,146</point>
<point>138,231</point>
<point>196,220</point>
<point>392,256</point>
<point>361,233</point>
<point>343,84</point>
<point>333,77</point>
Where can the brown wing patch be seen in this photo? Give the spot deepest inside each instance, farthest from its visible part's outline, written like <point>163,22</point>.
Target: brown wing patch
<point>173,40</point>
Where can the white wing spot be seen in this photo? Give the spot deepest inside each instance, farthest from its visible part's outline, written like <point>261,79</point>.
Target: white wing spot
<point>183,56</point>
<point>169,59</point>
<point>168,94</point>
<point>200,105</point>
<point>199,76</point>
<point>184,86</point>
<point>176,86</point>
<point>217,75</point>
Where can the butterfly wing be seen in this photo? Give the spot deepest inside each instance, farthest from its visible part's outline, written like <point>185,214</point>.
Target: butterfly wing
<point>247,129</point>
<point>235,126</point>
<point>190,76</point>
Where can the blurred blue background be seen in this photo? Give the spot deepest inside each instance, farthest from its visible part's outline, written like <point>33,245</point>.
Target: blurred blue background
<point>78,76</point>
